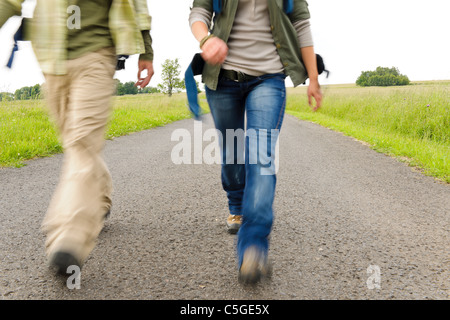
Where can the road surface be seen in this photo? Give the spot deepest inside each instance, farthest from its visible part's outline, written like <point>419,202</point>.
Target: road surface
<point>350,223</point>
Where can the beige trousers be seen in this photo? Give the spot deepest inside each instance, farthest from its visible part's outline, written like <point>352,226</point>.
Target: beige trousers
<point>80,104</point>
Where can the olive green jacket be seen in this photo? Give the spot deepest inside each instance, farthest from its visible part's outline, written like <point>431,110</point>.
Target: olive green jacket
<point>48,30</point>
<point>284,36</point>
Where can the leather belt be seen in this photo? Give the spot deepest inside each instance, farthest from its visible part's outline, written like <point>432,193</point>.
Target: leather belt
<point>236,76</point>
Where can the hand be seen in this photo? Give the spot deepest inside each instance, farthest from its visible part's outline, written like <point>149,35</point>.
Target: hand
<point>215,51</point>
<point>144,65</point>
<point>314,92</point>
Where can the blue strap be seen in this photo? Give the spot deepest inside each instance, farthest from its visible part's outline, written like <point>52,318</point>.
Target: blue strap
<point>18,36</point>
<point>288,6</point>
<point>217,6</point>
<point>195,68</point>
<point>11,58</point>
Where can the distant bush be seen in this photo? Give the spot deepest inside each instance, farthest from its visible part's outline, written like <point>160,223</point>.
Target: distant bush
<point>129,88</point>
<point>382,77</point>
<point>6,96</point>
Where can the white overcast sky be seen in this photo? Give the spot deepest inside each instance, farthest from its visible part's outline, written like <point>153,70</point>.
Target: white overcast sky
<point>351,35</point>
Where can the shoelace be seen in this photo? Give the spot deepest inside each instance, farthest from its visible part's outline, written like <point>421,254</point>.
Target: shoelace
<point>236,218</point>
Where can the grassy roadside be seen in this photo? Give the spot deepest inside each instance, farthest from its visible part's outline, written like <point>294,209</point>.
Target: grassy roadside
<point>26,132</point>
<point>141,112</point>
<point>411,123</point>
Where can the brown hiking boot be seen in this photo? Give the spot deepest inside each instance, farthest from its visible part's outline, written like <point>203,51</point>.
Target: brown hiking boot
<point>234,222</point>
<point>60,261</point>
<point>254,266</point>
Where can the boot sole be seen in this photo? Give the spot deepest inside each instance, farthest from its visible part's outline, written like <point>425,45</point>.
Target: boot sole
<point>233,228</point>
<point>250,271</point>
<point>61,261</point>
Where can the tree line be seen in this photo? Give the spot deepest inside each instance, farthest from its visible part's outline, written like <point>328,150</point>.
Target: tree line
<point>35,92</point>
<point>171,83</point>
<point>25,93</point>
<point>129,88</point>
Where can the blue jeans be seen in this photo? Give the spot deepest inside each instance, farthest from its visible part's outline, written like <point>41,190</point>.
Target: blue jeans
<point>248,176</point>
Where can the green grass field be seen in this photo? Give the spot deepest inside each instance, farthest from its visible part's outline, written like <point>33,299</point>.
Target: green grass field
<point>26,132</point>
<point>411,123</point>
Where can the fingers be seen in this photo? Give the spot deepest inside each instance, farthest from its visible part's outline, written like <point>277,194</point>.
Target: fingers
<point>318,98</point>
<point>142,82</point>
<point>318,102</point>
<point>315,92</point>
<point>144,66</point>
<point>215,51</point>
<point>317,95</point>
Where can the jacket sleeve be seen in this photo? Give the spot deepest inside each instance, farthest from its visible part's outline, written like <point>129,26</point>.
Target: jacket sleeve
<point>303,28</point>
<point>301,11</point>
<point>144,21</point>
<point>143,18</point>
<point>205,4</point>
<point>9,8</point>
<point>148,55</point>
<point>200,14</point>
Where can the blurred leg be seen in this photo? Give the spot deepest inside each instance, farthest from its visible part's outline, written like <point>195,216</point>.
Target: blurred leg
<point>83,196</point>
<point>227,109</point>
<point>265,108</point>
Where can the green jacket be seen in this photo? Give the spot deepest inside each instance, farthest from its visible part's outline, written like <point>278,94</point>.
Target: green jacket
<point>283,31</point>
<point>48,30</point>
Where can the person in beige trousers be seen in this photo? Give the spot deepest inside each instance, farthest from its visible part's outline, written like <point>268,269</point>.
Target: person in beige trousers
<point>77,43</point>
<point>83,197</point>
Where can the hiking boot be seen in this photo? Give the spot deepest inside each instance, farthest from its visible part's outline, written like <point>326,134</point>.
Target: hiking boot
<point>60,261</point>
<point>234,223</point>
<point>254,266</point>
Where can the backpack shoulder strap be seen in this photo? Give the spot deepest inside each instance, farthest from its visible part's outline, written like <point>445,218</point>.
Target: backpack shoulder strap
<point>18,36</point>
<point>217,6</point>
<point>288,6</point>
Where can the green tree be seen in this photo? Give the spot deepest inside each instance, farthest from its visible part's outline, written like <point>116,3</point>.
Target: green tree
<point>125,88</point>
<point>18,94</point>
<point>119,88</point>
<point>382,77</point>
<point>6,96</point>
<point>147,90</point>
<point>170,77</point>
<point>22,93</point>
<point>27,93</point>
<point>35,92</point>
<point>130,88</point>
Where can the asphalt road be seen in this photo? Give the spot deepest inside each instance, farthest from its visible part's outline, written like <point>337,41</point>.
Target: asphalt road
<point>350,223</point>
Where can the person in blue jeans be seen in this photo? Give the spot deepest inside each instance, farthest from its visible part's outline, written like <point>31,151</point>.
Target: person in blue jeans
<point>253,46</point>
